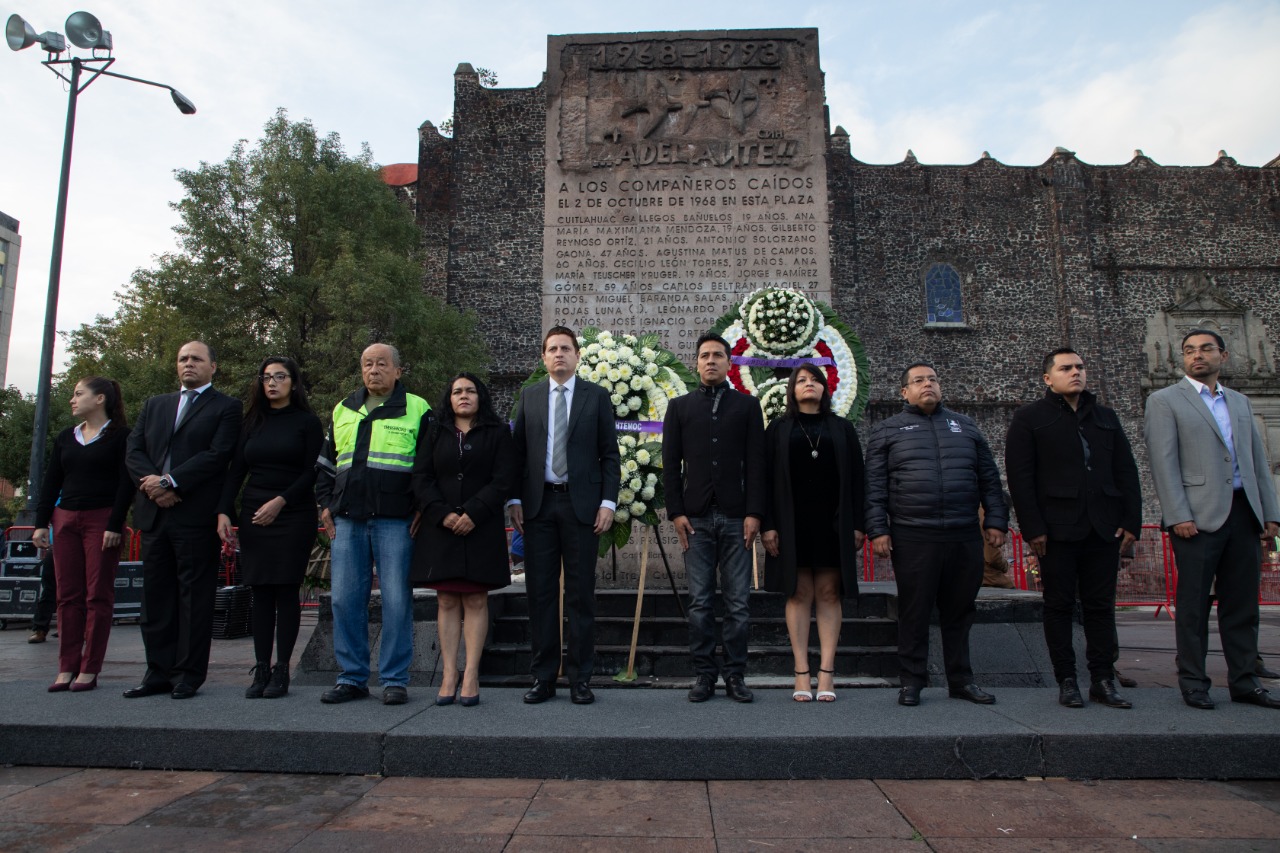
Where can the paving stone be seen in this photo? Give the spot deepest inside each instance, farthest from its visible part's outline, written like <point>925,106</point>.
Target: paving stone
<point>1171,809</point>
<point>407,786</point>
<point>264,802</point>
<point>1034,845</point>
<point>804,809</point>
<point>612,844</point>
<point>327,841</point>
<point>47,837</point>
<point>103,796</point>
<point>638,809</point>
<point>131,839</point>
<point>992,809</point>
<point>458,815</point>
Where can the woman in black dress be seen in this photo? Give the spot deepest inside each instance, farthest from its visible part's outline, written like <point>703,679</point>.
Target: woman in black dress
<point>278,448</point>
<point>86,495</point>
<point>815,518</point>
<point>462,479</point>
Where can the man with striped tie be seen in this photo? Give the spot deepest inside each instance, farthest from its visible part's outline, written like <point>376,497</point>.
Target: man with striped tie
<point>567,449</point>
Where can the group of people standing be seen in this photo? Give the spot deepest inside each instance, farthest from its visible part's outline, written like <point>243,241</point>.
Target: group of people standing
<point>424,495</point>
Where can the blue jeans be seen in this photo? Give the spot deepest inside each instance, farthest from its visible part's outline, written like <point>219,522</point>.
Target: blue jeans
<point>718,539</point>
<point>357,547</point>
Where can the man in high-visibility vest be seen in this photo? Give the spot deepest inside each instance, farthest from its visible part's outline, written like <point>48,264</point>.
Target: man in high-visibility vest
<point>367,509</point>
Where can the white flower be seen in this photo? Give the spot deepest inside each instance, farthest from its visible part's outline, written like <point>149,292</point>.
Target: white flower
<point>636,484</point>
<point>647,493</point>
<point>634,361</point>
<point>621,411</point>
<point>648,354</point>
<point>628,441</point>
<point>623,371</point>
<point>625,496</point>
<point>625,352</point>
<point>651,369</point>
<point>651,478</point>
<point>634,404</point>
<point>611,356</point>
<point>637,508</point>
<point>631,466</point>
<point>614,374</point>
<point>621,516</point>
<point>615,399</point>
<point>642,456</point>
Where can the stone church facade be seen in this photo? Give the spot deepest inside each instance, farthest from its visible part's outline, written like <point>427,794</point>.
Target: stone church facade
<point>979,268</point>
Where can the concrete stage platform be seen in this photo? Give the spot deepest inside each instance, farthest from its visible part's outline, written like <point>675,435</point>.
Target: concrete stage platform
<point>645,734</point>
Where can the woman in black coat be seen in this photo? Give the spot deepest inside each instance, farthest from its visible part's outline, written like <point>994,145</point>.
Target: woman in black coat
<point>813,529</point>
<point>462,479</point>
<point>279,444</point>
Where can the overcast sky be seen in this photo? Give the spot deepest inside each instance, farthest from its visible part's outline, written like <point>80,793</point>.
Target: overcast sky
<point>1179,80</point>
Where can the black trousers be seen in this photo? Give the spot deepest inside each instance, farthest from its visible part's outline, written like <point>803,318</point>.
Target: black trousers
<point>179,576</point>
<point>553,537</point>
<point>1231,555</point>
<point>47,603</point>
<point>946,574</point>
<point>1086,568</point>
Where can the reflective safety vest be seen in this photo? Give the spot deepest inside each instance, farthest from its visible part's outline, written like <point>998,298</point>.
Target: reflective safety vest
<point>368,459</point>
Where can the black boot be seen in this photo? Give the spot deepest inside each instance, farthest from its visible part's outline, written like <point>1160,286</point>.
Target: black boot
<point>279,685</point>
<point>261,672</point>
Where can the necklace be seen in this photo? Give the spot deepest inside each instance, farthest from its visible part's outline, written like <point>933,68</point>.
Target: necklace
<point>813,445</point>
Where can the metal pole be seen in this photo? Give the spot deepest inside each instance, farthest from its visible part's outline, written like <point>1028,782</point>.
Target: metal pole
<point>35,477</point>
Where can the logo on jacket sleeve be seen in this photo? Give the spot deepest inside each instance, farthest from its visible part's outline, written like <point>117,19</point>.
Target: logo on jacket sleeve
<point>954,426</point>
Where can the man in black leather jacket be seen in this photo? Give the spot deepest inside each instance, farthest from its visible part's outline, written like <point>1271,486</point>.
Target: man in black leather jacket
<point>928,470</point>
<point>1075,487</point>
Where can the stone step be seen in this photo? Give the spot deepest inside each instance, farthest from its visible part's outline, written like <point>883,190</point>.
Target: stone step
<point>674,631</point>
<point>659,601</point>
<point>508,662</point>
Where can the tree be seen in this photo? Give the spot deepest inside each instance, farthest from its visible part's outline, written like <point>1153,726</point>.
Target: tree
<point>292,248</point>
<point>17,420</point>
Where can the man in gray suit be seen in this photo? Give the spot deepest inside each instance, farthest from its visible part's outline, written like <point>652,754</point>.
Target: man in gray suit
<point>567,450</point>
<point>1218,499</point>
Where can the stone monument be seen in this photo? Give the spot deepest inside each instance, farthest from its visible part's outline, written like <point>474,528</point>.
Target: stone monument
<point>683,170</point>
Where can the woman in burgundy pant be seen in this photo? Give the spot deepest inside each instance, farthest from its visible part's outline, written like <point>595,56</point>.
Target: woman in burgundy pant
<point>86,494</point>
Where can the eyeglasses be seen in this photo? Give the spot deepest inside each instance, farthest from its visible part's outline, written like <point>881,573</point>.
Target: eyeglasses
<point>268,378</point>
<point>1203,349</point>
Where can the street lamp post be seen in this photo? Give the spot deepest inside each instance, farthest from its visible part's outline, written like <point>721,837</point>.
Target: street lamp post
<point>85,31</point>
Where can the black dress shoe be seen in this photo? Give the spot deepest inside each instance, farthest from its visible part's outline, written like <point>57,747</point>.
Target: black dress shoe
<point>972,693</point>
<point>580,694</point>
<point>343,693</point>
<point>1104,693</point>
<point>183,691</point>
<point>1259,696</point>
<point>736,689</point>
<point>147,689</point>
<point>1198,699</point>
<point>1069,694</point>
<point>540,692</point>
<point>909,695</point>
<point>1259,669</point>
<point>703,689</point>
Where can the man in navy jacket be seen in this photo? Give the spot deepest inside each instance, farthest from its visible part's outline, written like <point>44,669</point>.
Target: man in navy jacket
<point>928,469</point>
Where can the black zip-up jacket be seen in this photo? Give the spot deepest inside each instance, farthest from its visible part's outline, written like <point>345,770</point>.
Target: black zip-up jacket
<point>714,456</point>
<point>1057,489</point>
<point>926,476</point>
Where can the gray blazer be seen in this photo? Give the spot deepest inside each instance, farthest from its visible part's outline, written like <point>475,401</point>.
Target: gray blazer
<point>594,469</point>
<point>1190,462</point>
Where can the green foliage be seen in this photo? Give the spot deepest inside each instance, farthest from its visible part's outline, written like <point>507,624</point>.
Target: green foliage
<point>17,422</point>
<point>292,247</point>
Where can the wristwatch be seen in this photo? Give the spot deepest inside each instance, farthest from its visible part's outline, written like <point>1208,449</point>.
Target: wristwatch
<point>165,482</point>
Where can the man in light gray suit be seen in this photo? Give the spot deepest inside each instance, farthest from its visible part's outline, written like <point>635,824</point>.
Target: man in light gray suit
<point>1218,500</point>
<point>567,452</point>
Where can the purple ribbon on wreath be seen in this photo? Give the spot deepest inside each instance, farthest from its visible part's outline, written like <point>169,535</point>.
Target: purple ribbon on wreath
<point>752,361</point>
<point>639,426</point>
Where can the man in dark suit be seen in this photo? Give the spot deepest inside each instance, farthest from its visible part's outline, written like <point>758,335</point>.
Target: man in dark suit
<point>713,472</point>
<point>1075,488</point>
<point>567,450</point>
<point>178,453</point>
<point>1218,500</point>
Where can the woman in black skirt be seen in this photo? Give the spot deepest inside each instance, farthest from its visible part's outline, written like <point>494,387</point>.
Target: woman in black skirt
<point>814,525</point>
<point>278,448</point>
<point>462,479</point>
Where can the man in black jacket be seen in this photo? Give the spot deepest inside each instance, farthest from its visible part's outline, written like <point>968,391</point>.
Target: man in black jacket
<point>1079,502</point>
<point>928,469</point>
<point>714,479</point>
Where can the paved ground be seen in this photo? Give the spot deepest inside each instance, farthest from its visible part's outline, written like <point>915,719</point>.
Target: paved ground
<point>47,809</point>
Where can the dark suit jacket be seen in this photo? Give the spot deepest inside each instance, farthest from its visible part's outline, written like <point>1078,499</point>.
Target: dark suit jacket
<point>594,464</point>
<point>1054,493</point>
<point>200,450</point>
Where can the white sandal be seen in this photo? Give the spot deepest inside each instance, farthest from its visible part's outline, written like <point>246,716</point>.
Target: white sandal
<point>802,695</point>
<point>827,695</point>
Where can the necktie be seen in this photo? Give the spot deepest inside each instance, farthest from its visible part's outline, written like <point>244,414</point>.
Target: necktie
<point>560,444</point>
<point>184,406</point>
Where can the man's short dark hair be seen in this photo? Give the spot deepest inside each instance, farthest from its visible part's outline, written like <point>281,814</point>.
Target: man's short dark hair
<point>560,330</point>
<point>212,357</point>
<point>1217,338</point>
<point>906,372</point>
<point>1047,364</point>
<point>711,336</point>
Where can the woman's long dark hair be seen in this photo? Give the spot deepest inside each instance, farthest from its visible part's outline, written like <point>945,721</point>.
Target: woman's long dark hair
<point>485,413</point>
<point>824,405</point>
<point>112,399</point>
<point>256,412</point>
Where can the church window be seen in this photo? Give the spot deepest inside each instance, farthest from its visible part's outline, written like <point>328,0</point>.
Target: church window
<point>943,303</point>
